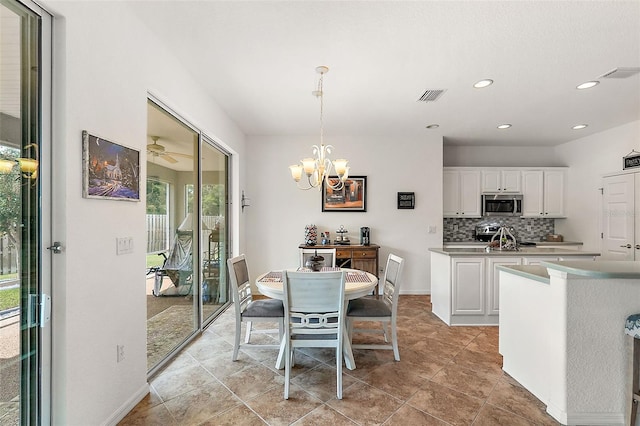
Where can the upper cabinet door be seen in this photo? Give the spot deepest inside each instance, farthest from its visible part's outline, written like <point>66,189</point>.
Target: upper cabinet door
<point>532,193</point>
<point>511,181</point>
<point>554,193</point>
<point>450,193</point>
<point>470,199</point>
<point>501,181</point>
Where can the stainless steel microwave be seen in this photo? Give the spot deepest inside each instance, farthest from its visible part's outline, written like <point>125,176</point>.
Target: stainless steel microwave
<point>501,205</point>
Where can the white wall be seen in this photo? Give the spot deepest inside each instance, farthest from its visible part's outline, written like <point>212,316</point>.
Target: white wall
<point>105,62</point>
<point>588,159</point>
<point>496,156</point>
<point>279,211</point>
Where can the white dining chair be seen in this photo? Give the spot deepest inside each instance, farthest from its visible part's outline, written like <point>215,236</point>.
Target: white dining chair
<point>314,311</point>
<point>249,311</point>
<point>382,309</point>
<point>329,255</point>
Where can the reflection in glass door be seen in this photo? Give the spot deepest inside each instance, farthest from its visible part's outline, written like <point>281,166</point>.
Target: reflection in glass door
<point>24,340</point>
<point>214,190</point>
<point>172,235</point>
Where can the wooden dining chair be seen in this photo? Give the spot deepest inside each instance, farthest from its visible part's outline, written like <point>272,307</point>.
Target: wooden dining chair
<point>382,309</point>
<point>329,255</point>
<point>249,311</point>
<point>314,317</point>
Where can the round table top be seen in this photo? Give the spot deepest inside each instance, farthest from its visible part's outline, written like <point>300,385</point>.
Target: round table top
<point>359,283</point>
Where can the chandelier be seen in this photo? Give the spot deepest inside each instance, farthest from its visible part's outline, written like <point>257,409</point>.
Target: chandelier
<point>318,169</point>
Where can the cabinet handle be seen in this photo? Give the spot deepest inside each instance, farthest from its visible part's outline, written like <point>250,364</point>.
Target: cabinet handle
<point>626,246</point>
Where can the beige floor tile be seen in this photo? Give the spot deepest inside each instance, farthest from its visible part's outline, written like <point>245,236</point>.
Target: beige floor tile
<point>518,400</point>
<point>240,415</point>
<point>252,381</point>
<point>408,415</point>
<point>321,382</point>
<point>275,410</point>
<point>479,361</point>
<point>153,416</point>
<point>173,383</point>
<point>493,416</point>
<point>474,383</point>
<point>365,404</point>
<point>192,408</point>
<point>398,379</point>
<point>446,404</point>
<point>437,349</point>
<point>324,416</point>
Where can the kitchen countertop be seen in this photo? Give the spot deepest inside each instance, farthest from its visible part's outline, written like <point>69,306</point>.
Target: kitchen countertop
<point>534,272</point>
<point>537,243</point>
<point>607,269</point>
<point>523,252</point>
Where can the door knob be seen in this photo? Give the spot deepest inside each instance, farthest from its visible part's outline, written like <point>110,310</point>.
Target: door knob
<point>626,246</point>
<point>637,246</point>
<point>56,247</point>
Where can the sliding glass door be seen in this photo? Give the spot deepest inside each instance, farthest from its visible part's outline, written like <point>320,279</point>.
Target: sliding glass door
<point>187,228</point>
<point>25,89</point>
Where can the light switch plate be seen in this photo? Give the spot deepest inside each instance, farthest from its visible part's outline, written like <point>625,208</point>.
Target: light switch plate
<point>124,245</point>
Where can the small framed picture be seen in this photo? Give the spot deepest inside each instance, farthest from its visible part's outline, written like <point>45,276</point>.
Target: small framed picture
<point>351,197</point>
<point>109,171</point>
<point>406,200</point>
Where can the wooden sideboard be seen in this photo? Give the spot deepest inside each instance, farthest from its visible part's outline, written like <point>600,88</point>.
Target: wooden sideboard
<point>354,256</point>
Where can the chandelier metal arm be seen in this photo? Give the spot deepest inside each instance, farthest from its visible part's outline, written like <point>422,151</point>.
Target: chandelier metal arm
<point>319,169</point>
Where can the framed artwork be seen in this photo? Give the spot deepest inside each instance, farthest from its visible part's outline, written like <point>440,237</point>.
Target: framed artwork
<point>109,171</point>
<point>351,198</point>
<point>406,200</point>
<point>631,160</point>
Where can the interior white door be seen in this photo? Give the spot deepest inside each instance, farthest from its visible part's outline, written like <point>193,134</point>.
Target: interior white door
<point>618,211</point>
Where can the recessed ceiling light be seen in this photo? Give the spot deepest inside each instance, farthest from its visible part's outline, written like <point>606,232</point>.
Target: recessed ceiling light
<point>587,85</point>
<point>433,126</point>
<point>504,126</point>
<point>579,126</point>
<point>483,83</point>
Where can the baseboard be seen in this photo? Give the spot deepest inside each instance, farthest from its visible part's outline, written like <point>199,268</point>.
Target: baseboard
<point>129,405</point>
<point>585,418</point>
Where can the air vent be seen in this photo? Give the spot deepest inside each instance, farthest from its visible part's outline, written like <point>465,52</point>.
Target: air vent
<point>621,72</point>
<point>431,95</point>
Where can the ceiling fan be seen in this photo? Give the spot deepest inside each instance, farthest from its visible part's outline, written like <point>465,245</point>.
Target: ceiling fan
<point>156,150</point>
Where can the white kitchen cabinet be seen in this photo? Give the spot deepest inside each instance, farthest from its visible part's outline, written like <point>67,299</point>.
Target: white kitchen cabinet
<point>543,193</point>
<point>468,296</point>
<point>501,181</point>
<point>538,260</point>
<point>461,193</point>
<point>493,282</point>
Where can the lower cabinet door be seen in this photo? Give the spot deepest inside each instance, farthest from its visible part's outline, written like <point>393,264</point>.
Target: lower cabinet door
<point>538,259</point>
<point>368,265</point>
<point>493,281</point>
<point>468,296</point>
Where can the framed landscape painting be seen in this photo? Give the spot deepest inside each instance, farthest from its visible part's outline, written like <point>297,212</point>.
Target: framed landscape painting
<point>110,171</point>
<point>351,198</point>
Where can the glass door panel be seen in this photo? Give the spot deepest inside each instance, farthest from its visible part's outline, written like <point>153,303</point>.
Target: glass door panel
<point>23,366</point>
<point>173,277</point>
<point>214,190</point>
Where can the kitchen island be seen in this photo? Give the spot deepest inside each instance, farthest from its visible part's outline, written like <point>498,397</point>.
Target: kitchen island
<point>465,285</point>
<point>562,335</point>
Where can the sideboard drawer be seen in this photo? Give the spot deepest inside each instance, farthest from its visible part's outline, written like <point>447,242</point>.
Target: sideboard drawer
<point>365,254</point>
<point>343,253</point>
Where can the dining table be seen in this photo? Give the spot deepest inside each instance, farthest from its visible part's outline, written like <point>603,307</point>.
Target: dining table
<point>358,284</point>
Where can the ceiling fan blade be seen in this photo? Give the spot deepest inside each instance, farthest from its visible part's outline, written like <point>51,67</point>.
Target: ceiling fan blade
<point>178,154</point>
<point>169,158</point>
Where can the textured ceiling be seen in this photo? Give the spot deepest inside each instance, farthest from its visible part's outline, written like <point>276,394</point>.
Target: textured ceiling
<point>258,59</point>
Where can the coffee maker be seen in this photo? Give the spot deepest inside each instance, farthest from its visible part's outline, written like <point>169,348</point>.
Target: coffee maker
<point>365,240</point>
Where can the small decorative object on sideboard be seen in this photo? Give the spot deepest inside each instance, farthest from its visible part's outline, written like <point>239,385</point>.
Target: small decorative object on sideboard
<point>365,233</point>
<point>310,235</point>
<point>341,236</point>
<point>315,262</point>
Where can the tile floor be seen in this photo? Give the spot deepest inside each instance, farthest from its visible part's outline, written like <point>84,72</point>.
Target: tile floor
<point>446,376</point>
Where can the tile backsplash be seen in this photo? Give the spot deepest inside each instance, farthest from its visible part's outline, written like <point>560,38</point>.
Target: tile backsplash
<point>466,228</point>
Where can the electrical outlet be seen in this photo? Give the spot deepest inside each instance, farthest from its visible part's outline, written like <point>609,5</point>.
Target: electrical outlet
<point>455,227</point>
<point>120,353</point>
<point>432,229</point>
<point>528,228</point>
